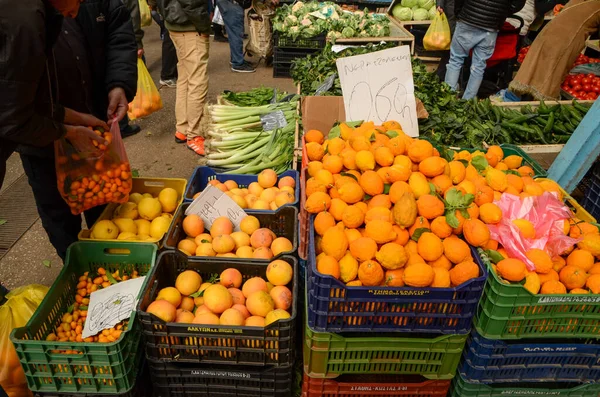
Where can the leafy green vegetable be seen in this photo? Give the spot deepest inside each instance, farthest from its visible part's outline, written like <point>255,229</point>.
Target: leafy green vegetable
<point>456,201</point>
<point>255,97</point>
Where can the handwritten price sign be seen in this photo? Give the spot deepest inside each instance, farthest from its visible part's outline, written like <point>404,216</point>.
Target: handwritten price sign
<point>212,204</point>
<point>379,87</point>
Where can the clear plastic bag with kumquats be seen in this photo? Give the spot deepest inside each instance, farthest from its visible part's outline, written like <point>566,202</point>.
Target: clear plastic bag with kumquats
<point>438,36</point>
<point>87,180</point>
<point>147,98</point>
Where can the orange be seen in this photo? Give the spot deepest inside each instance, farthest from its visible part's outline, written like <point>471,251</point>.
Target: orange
<point>430,206</point>
<point>512,269</point>
<point>463,272</point>
<point>497,151</point>
<point>456,250</point>
<point>384,156</point>
<point>363,248</point>
<point>329,265</point>
<point>351,193</point>
<point>432,166</point>
<point>397,190</point>
<point>335,146</point>
<point>323,221</point>
<point>380,213</point>
<point>491,245</point>
<point>317,202</point>
<point>541,260</point>
<point>572,277</point>
<point>579,291</point>
<point>591,243</point>
<point>312,186</point>
<point>525,227</point>
<point>490,213</point>
<point>392,256</point>
<point>476,232</point>
<point>333,164</point>
<point>314,136</point>
<point>513,162</point>
<point>553,287</point>
<point>396,145</point>
<point>337,208</point>
<point>526,171</point>
<point>440,227</point>
<point>515,181</point>
<point>364,160</point>
<point>370,273</point>
<point>442,183</point>
<point>419,150</point>
<point>335,242</point>
<point>381,200</point>
<point>429,246</point>
<point>581,228</point>
<point>352,216</point>
<point>418,275</point>
<point>313,167</point>
<point>457,171</point>
<point>348,268</point>
<point>595,269</point>
<point>314,151</point>
<point>581,258</point>
<point>441,278</point>
<point>558,263</point>
<point>393,278</point>
<point>371,183</point>
<point>532,282</point>
<point>593,283</point>
<point>380,231</point>
<point>551,275</point>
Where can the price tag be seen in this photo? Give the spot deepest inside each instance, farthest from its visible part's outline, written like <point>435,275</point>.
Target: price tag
<point>273,120</point>
<point>212,204</point>
<point>327,84</point>
<point>379,87</point>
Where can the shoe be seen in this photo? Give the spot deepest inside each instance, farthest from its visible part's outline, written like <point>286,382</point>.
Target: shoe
<point>246,67</point>
<point>196,144</point>
<point>180,138</point>
<point>130,130</point>
<point>171,83</point>
<point>220,39</point>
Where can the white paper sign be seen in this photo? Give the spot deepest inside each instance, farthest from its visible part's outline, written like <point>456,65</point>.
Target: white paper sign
<point>379,87</point>
<point>109,306</point>
<point>214,203</point>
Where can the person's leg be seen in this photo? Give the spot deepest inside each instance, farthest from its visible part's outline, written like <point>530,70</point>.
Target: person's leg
<point>482,51</point>
<point>182,85</point>
<point>168,71</point>
<point>459,50</point>
<point>233,16</point>
<point>61,226</point>
<point>159,21</point>
<point>197,88</point>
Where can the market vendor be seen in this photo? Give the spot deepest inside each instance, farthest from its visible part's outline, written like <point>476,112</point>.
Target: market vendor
<point>554,51</point>
<point>96,72</point>
<point>30,112</point>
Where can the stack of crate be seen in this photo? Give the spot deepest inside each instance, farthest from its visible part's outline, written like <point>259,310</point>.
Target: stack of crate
<point>386,341</point>
<point>524,344</point>
<point>287,49</point>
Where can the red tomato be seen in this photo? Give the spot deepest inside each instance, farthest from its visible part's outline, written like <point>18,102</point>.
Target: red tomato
<point>587,87</point>
<point>596,89</point>
<point>576,87</point>
<point>585,81</point>
<point>582,94</point>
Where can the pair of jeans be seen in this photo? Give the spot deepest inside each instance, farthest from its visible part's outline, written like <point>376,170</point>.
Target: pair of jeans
<point>467,38</point>
<point>60,224</point>
<point>192,81</point>
<point>233,16</point>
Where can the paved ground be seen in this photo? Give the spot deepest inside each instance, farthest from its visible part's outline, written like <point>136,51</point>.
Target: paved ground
<point>153,152</point>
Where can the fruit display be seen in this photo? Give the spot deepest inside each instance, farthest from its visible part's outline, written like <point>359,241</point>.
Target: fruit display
<point>251,241</point>
<point>73,321</point>
<point>582,86</point>
<point>227,299</point>
<point>143,218</point>
<point>268,193</point>
<point>87,182</point>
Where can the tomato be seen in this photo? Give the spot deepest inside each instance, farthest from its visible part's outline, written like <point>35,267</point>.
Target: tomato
<point>587,87</point>
<point>575,81</point>
<point>596,89</point>
<point>590,75</point>
<point>576,87</point>
<point>585,81</point>
<point>582,94</point>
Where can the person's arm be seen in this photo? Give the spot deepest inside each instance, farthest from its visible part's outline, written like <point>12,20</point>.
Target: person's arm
<point>134,9</point>
<point>197,13</point>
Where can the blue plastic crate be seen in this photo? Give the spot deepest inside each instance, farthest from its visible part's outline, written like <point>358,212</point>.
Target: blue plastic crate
<point>591,199</point>
<point>497,361</point>
<point>334,307</point>
<point>202,175</point>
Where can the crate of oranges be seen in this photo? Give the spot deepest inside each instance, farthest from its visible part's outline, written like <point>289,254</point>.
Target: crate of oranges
<point>51,349</point>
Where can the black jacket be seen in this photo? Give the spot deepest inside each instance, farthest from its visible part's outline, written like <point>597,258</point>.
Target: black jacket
<point>28,111</point>
<point>181,15</point>
<point>488,14</point>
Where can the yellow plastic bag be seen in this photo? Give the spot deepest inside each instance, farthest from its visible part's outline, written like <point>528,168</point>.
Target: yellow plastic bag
<point>145,14</point>
<point>15,313</point>
<point>438,36</point>
<point>147,99</point>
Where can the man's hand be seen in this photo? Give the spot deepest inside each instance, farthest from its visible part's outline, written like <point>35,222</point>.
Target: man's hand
<point>81,138</point>
<point>440,9</point>
<point>140,52</point>
<point>117,105</point>
<point>73,117</point>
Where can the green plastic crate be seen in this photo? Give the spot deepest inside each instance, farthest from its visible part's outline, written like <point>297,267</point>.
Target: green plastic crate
<point>327,355</point>
<point>509,311</point>
<point>460,388</point>
<point>94,367</point>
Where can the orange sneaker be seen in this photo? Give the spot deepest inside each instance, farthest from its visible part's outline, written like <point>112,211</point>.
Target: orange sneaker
<point>180,138</point>
<point>197,145</point>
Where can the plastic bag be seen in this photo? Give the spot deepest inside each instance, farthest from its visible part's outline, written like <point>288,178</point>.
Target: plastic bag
<point>438,36</point>
<point>547,214</point>
<point>260,39</point>
<point>145,14</point>
<point>86,180</point>
<point>18,309</point>
<point>147,99</point>
<point>218,18</point>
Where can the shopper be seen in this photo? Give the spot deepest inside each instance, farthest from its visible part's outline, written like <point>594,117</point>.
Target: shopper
<point>477,30</point>
<point>216,27</point>
<point>188,24</point>
<point>102,80</point>
<point>168,71</point>
<point>30,111</point>
<point>451,8</point>
<point>233,16</point>
<point>555,49</point>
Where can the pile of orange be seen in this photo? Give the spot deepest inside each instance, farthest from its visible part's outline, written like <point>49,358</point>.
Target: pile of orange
<point>390,211</point>
<point>226,299</point>
<point>252,241</point>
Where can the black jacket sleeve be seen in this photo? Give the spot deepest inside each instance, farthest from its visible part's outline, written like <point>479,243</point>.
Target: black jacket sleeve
<point>121,50</point>
<point>23,56</point>
<point>197,13</point>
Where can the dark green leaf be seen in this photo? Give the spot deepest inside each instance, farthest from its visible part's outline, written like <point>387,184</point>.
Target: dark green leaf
<point>335,131</point>
<point>135,173</point>
<point>71,308</point>
<point>494,256</point>
<point>467,199</point>
<point>451,219</point>
<point>464,162</point>
<point>454,197</point>
<point>417,234</point>
<point>432,188</point>
<point>350,175</point>
<point>480,163</point>
<point>513,172</point>
<point>47,263</point>
<point>372,137</point>
<point>465,213</point>
<point>367,197</point>
<point>391,134</point>
<point>386,188</point>
<point>354,124</point>
<point>197,294</point>
<point>204,241</point>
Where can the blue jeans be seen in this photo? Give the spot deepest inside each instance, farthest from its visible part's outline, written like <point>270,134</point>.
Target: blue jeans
<point>467,38</point>
<point>233,16</point>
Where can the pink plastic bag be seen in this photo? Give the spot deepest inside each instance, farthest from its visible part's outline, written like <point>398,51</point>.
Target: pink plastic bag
<point>547,214</point>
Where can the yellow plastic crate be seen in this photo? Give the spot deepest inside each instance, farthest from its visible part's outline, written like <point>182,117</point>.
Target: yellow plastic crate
<point>141,185</point>
<point>577,209</point>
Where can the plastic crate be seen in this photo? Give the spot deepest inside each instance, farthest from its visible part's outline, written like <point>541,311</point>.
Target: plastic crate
<point>591,199</point>
<point>281,41</point>
<point>496,361</point>
<point>328,355</point>
<point>192,380</point>
<point>460,388</point>
<point>283,222</point>
<point>140,185</point>
<point>287,55</point>
<point>99,367</point>
<point>191,343</point>
<point>374,385</point>
<point>573,205</point>
<point>202,175</point>
<point>282,70</point>
<point>335,307</point>
<point>303,217</point>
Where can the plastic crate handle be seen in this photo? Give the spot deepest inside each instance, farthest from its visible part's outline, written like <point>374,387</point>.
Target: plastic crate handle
<point>56,354</point>
<point>117,251</point>
<point>154,183</point>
